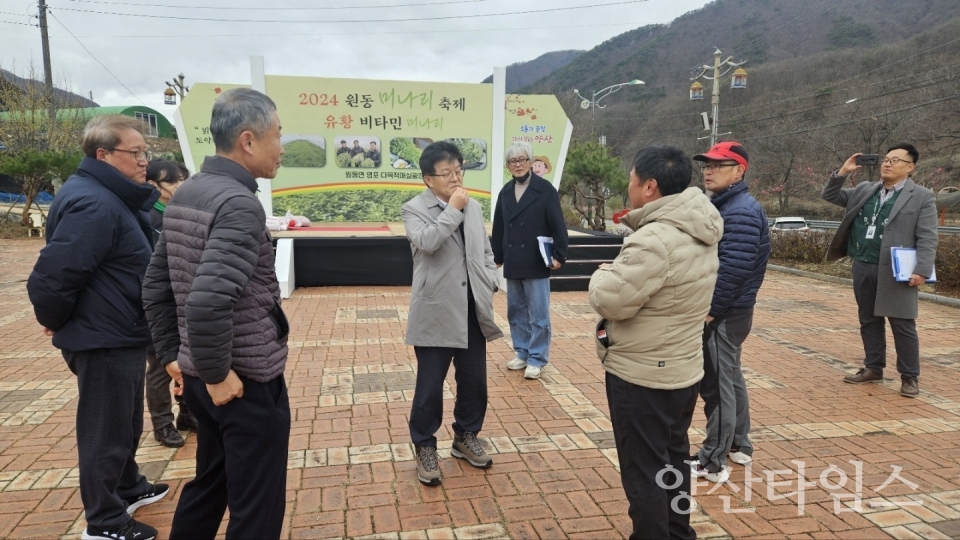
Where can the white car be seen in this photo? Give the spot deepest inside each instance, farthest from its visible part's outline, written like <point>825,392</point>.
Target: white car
<point>790,224</point>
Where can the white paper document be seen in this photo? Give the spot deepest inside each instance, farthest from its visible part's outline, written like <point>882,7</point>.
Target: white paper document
<point>904,260</point>
<point>546,249</point>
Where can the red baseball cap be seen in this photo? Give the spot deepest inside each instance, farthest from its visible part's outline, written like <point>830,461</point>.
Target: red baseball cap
<point>727,150</point>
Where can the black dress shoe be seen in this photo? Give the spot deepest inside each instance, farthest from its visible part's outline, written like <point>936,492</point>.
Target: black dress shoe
<point>168,436</point>
<point>186,420</point>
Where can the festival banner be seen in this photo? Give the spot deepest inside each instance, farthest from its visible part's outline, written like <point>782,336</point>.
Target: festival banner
<point>540,121</point>
<point>352,146</point>
<point>193,122</point>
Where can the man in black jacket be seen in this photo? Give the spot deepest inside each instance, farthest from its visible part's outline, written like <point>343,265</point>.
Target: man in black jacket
<point>85,290</point>
<point>213,302</point>
<point>528,206</point>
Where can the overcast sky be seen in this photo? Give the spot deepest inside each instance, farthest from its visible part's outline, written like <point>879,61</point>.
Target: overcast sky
<point>429,40</point>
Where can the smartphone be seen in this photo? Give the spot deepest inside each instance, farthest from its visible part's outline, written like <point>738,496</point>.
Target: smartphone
<point>868,159</point>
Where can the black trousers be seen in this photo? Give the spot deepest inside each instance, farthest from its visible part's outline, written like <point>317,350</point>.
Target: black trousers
<point>873,331</point>
<point>650,429</point>
<point>470,367</point>
<point>109,425</point>
<point>241,462</point>
<point>158,393</point>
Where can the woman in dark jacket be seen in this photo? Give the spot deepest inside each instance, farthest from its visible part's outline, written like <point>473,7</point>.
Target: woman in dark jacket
<point>166,177</point>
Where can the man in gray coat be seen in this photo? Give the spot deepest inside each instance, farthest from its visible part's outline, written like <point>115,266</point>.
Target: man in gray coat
<point>894,212</point>
<point>451,309</point>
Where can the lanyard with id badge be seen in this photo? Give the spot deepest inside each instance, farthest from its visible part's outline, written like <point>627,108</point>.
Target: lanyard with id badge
<point>872,228</point>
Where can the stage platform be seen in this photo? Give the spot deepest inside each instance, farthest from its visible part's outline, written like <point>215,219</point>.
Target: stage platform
<point>378,253</point>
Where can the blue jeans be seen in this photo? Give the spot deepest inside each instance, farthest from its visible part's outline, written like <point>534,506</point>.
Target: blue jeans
<point>528,310</point>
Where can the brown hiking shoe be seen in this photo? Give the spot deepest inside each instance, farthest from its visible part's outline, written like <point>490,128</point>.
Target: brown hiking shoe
<point>910,387</point>
<point>428,467</point>
<point>862,376</point>
<point>467,446</point>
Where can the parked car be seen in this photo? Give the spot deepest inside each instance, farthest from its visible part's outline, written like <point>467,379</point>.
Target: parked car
<point>790,224</point>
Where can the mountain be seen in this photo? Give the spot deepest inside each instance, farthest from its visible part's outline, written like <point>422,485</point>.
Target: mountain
<point>761,31</point>
<point>827,78</point>
<point>525,73</point>
<point>68,99</point>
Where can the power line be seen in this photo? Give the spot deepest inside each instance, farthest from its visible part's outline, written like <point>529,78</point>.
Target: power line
<point>814,109</point>
<point>412,19</point>
<point>757,107</point>
<point>18,23</point>
<point>458,31</point>
<point>263,8</point>
<point>845,122</point>
<point>815,94</point>
<point>97,59</point>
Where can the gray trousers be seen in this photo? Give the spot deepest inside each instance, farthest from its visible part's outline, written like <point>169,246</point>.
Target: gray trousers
<point>873,331</point>
<point>158,392</point>
<point>723,389</point>
<point>109,425</point>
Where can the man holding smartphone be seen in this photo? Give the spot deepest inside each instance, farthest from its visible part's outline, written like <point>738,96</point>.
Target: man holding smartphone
<point>894,212</point>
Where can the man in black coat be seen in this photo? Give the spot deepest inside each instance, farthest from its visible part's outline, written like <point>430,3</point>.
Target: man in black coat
<point>528,207</point>
<point>85,290</point>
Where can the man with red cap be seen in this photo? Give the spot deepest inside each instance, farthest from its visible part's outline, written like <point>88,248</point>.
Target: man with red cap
<point>744,251</point>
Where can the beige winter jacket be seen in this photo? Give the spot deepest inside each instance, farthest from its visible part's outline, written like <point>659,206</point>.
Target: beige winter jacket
<point>656,294</point>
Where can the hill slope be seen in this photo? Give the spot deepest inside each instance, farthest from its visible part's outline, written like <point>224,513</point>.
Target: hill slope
<point>827,78</point>
<point>62,96</point>
<point>524,73</point>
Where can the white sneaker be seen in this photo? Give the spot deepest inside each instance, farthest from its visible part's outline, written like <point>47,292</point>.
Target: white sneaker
<point>532,372</point>
<point>516,364</point>
<point>698,471</point>
<point>739,457</point>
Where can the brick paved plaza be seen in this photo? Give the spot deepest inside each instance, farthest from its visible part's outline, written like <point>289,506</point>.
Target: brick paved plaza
<point>351,471</point>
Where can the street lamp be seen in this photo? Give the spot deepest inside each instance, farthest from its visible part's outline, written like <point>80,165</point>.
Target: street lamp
<point>175,88</point>
<point>739,80</point>
<point>594,102</point>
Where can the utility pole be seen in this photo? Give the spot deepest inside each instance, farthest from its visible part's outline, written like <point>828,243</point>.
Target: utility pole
<point>739,81</point>
<point>175,88</point>
<point>45,42</point>
<point>47,69</point>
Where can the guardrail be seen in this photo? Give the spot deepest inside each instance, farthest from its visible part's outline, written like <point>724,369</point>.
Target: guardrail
<point>836,225</point>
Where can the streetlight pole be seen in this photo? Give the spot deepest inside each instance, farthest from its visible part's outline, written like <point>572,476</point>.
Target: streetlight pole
<point>594,102</point>
<point>739,81</point>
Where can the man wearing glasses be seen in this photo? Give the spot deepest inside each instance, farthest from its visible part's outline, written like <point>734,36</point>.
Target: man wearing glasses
<point>894,212</point>
<point>85,290</point>
<point>744,250</point>
<point>451,309</point>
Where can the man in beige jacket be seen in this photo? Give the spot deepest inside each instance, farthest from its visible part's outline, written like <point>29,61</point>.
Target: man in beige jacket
<point>653,300</point>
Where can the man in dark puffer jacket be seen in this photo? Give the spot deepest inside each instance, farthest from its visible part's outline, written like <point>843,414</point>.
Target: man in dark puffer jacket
<point>212,299</point>
<point>744,251</point>
<point>85,289</point>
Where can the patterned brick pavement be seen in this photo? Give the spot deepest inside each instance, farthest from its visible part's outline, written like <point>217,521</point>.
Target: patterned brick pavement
<point>351,470</point>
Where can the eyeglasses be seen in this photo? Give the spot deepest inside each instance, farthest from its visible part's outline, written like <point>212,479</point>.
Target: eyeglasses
<point>139,155</point>
<point>518,161</point>
<point>716,166</point>
<point>894,161</point>
<point>448,176</point>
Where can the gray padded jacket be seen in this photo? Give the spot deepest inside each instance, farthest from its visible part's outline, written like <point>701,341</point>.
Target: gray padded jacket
<point>211,293</point>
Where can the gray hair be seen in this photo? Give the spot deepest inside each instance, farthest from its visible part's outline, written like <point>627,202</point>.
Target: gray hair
<point>105,132</point>
<point>518,149</point>
<point>239,110</point>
